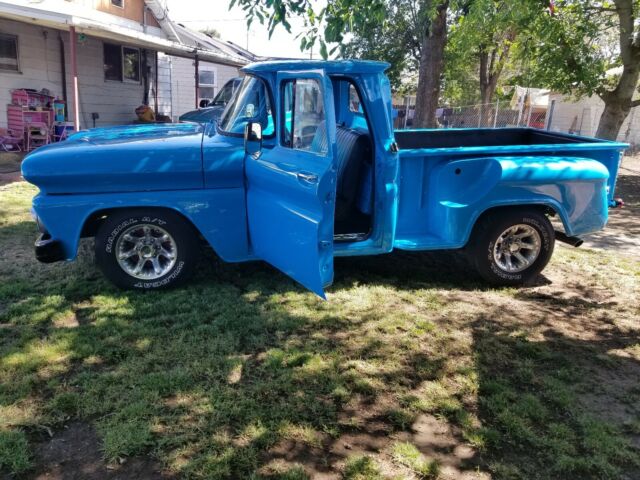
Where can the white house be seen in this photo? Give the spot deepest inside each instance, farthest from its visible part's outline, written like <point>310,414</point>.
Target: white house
<point>581,116</point>
<point>107,57</point>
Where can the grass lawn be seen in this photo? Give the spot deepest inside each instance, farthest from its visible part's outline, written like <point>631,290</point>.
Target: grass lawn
<point>412,369</point>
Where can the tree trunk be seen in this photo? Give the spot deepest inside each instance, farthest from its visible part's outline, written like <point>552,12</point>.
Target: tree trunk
<point>491,66</point>
<point>430,71</point>
<point>618,102</point>
<point>611,121</point>
<point>488,84</point>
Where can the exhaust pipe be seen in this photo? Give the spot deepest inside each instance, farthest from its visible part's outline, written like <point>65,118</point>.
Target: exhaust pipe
<point>573,241</point>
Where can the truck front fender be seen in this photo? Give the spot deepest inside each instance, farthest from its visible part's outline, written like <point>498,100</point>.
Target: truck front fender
<point>214,213</point>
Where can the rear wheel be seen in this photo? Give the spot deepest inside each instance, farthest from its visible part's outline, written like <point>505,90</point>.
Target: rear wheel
<point>511,247</point>
<point>146,250</point>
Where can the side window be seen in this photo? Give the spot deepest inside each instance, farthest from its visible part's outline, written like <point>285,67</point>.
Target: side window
<point>303,122</point>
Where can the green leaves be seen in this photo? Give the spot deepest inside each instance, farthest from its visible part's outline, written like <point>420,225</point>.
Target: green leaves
<point>327,25</point>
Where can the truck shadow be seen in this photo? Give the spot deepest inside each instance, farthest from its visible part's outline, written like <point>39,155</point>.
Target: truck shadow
<point>241,371</point>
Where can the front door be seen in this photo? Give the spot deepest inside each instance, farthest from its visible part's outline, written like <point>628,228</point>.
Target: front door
<point>291,186</point>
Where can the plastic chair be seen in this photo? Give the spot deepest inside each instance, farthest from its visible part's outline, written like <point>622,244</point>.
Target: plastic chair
<point>37,135</point>
<point>9,142</point>
<point>64,132</point>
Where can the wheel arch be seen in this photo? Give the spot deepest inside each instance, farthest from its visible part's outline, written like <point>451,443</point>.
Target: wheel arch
<point>95,219</point>
<point>548,208</point>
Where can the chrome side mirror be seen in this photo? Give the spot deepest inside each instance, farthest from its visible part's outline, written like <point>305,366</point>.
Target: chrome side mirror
<point>253,138</point>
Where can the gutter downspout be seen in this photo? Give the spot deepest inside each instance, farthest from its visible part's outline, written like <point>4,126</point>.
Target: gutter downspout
<point>63,70</point>
<point>74,73</point>
<point>197,63</point>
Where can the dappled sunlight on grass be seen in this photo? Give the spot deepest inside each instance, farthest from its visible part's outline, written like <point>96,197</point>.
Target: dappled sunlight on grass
<point>241,372</point>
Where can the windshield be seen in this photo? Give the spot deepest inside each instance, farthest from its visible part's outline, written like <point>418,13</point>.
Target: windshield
<point>249,104</point>
<point>225,94</point>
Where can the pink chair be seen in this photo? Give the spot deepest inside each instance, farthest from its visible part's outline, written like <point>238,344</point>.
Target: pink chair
<point>38,134</point>
<point>9,142</point>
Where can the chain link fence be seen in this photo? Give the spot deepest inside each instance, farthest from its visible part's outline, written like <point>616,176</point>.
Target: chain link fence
<point>528,107</point>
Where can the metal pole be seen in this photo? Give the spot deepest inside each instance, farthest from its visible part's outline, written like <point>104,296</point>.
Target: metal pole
<point>521,110</point>
<point>406,112</point>
<point>155,84</point>
<point>550,119</point>
<point>74,73</point>
<point>495,115</point>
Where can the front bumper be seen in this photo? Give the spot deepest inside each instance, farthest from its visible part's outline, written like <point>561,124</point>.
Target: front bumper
<point>48,250</point>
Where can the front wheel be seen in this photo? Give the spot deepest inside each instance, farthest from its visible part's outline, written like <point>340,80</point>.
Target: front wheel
<point>146,250</point>
<point>512,247</point>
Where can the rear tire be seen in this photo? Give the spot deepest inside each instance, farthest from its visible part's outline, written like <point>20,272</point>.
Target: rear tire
<point>511,247</point>
<point>146,249</point>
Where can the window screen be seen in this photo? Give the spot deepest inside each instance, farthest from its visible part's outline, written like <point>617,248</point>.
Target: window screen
<point>303,125</point>
<point>206,84</point>
<point>131,64</point>
<point>118,3</point>
<point>207,77</point>
<point>9,52</point>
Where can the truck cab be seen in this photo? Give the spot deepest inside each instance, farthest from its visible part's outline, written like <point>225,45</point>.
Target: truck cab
<point>303,166</point>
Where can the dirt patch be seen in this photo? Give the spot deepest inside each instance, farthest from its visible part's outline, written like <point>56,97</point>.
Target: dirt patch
<point>623,229</point>
<point>74,454</point>
<point>10,167</point>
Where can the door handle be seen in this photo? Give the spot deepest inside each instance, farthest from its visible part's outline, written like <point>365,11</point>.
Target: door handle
<point>309,178</point>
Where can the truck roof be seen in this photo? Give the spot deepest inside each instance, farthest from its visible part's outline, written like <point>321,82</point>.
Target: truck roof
<point>330,66</point>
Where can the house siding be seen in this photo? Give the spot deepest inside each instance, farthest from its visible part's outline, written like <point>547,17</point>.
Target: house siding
<point>115,102</point>
<point>132,10</point>
<point>39,60</point>
<point>39,63</point>
<point>581,116</point>
<point>183,88</point>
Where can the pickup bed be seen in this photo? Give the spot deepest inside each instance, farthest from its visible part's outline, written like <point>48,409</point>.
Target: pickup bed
<point>303,166</point>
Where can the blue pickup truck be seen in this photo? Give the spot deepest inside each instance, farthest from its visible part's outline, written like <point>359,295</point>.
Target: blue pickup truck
<point>303,166</point>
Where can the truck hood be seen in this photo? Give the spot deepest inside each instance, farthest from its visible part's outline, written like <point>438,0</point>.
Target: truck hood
<point>120,159</point>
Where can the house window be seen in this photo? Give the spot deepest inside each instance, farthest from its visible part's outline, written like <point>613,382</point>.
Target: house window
<point>206,84</point>
<point>9,53</point>
<point>117,3</point>
<point>131,64</point>
<point>121,64</point>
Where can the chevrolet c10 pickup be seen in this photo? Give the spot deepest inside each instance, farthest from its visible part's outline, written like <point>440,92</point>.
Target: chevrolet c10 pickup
<point>303,166</point>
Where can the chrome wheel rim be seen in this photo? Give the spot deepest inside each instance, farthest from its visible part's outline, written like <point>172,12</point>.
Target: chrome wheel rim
<point>517,248</point>
<point>146,252</point>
